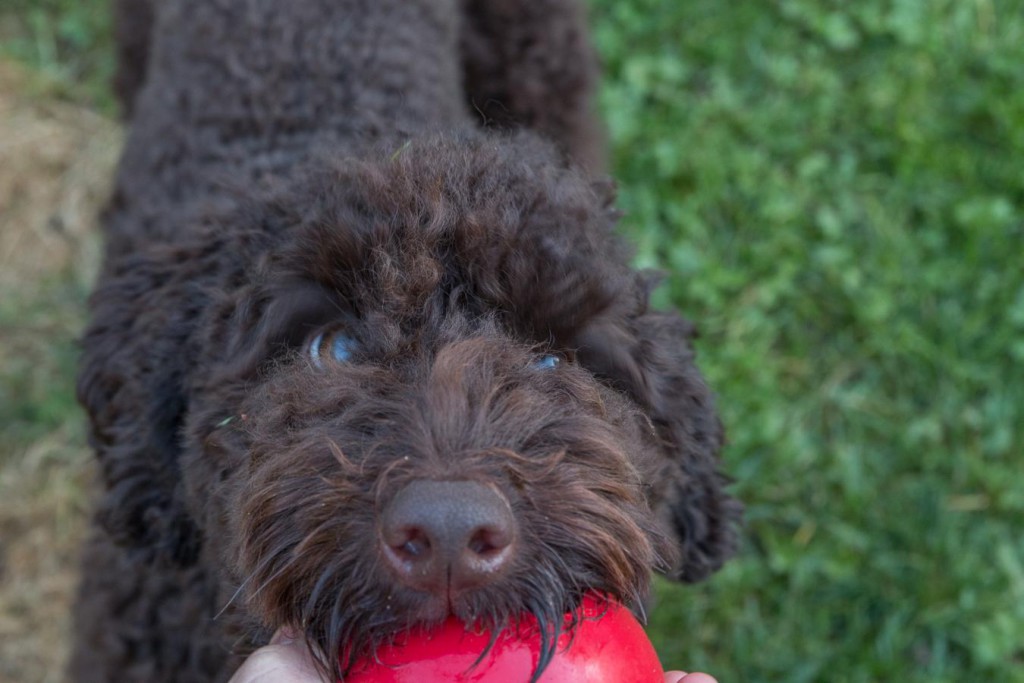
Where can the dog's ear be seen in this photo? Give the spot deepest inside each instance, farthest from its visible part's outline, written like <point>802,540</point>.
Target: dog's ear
<point>146,335</point>
<point>131,383</point>
<point>650,356</point>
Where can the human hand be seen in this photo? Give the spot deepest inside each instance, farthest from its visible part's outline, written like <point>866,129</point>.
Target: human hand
<point>683,677</point>
<point>287,660</point>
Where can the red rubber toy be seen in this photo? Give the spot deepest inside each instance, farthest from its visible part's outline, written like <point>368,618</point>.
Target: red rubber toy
<point>609,646</point>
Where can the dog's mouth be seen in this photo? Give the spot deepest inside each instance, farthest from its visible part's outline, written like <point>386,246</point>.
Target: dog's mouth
<point>428,608</point>
<point>544,620</point>
<point>433,609</point>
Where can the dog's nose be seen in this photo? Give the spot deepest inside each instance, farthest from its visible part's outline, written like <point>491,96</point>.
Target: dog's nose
<point>443,536</point>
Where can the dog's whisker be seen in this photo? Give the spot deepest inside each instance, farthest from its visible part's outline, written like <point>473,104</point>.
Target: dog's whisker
<point>310,608</point>
<point>339,455</point>
<point>231,600</point>
<point>280,571</point>
<point>301,547</point>
<point>260,568</point>
<point>638,605</point>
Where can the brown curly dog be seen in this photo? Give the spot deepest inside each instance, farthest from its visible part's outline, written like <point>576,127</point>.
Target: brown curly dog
<point>366,351</point>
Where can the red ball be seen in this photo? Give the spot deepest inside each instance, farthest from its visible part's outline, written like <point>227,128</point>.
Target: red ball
<point>609,646</point>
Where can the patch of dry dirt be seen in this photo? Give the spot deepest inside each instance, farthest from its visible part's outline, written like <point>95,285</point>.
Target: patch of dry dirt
<point>55,164</point>
<point>55,169</point>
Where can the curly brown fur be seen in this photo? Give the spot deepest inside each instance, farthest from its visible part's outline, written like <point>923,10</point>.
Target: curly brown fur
<point>531,65</point>
<point>524,65</point>
<point>255,208</point>
<point>133,22</point>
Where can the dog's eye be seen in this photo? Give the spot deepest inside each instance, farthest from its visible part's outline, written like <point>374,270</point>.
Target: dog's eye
<point>332,346</point>
<point>548,361</point>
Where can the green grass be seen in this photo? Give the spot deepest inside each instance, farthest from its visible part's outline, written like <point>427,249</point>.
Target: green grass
<point>39,357</point>
<point>67,41</point>
<point>838,191</point>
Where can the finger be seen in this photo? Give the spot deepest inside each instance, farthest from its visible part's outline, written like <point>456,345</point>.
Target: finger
<point>674,676</point>
<point>697,678</point>
<point>286,659</point>
<point>276,664</point>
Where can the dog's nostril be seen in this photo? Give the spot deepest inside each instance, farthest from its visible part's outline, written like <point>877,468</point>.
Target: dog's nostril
<point>413,544</point>
<point>416,548</point>
<point>488,541</point>
<point>442,536</point>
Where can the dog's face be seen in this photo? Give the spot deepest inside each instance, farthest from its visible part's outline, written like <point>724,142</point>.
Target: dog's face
<point>441,393</point>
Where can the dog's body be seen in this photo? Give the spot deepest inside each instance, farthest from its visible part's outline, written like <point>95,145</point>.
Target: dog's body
<point>330,300</point>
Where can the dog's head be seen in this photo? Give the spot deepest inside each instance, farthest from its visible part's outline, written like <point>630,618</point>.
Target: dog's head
<point>442,392</point>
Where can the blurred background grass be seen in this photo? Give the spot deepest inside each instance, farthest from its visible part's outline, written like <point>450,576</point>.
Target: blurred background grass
<point>838,191</point>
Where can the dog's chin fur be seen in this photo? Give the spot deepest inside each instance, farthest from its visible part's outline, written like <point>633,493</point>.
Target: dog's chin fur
<point>242,470</point>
